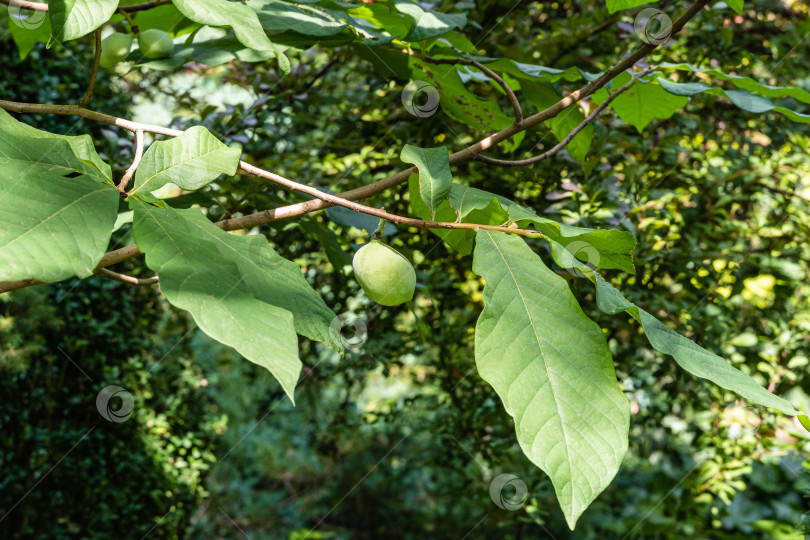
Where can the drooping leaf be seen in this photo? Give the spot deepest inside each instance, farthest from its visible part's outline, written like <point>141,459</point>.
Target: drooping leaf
<point>599,248</point>
<point>52,226</point>
<point>642,102</point>
<point>689,355</point>
<point>429,23</point>
<point>551,366</point>
<point>542,96</point>
<point>238,289</point>
<point>243,20</point>
<point>743,99</point>
<point>71,19</point>
<point>435,177</point>
<point>741,82</point>
<point>190,161</point>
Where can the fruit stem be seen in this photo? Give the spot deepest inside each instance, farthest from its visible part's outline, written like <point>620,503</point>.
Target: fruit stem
<point>133,27</point>
<point>377,235</point>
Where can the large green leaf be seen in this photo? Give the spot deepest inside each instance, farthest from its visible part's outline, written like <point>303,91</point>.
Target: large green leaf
<point>429,24</point>
<point>542,96</point>
<point>743,99</point>
<point>642,102</point>
<point>551,366</point>
<point>435,177</point>
<point>243,20</point>
<point>238,289</point>
<point>81,146</point>
<point>599,248</point>
<point>689,355</point>
<point>71,19</point>
<point>190,161</point>
<point>52,226</point>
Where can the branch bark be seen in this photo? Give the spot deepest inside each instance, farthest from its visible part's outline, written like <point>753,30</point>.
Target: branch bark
<point>39,6</point>
<point>136,160</point>
<point>123,278</point>
<point>568,138</point>
<point>94,72</point>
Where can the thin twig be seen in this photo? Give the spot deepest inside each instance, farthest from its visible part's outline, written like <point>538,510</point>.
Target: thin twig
<point>568,138</point>
<point>123,278</point>
<point>489,73</point>
<point>94,72</point>
<point>136,160</point>
<point>39,6</point>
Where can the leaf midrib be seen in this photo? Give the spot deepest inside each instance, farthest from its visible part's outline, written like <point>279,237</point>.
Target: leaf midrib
<point>162,171</point>
<point>540,346</point>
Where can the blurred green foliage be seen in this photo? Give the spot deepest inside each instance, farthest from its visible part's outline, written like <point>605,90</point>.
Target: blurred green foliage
<point>402,438</point>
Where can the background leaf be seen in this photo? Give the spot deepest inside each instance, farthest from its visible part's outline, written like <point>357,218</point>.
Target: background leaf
<point>243,20</point>
<point>642,102</point>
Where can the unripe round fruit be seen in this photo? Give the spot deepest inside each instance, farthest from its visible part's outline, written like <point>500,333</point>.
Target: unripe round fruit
<point>155,43</point>
<point>114,48</point>
<point>387,277</point>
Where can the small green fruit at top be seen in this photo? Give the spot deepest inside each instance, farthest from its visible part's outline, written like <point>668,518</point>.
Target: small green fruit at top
<point>155,43</point>
<point>387,277</point>
<point>114,48</point>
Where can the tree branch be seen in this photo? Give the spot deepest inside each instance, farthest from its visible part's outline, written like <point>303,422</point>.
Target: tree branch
<point>568,138</point>
<point>123,278</point>
<point>94,72</point>
<point>136,160</point>
<point>39,6</point>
